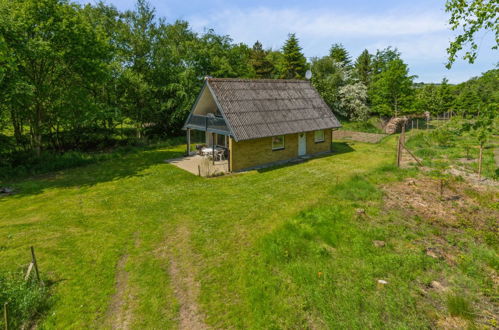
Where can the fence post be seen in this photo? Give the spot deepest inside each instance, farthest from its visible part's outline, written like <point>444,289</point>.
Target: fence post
<point>35,263</point>
<point>480,163</point>
<point>400,144</point>
<point>5,317</point>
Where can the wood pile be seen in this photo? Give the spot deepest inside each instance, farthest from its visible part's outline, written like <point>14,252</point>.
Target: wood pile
<point>394,125</point>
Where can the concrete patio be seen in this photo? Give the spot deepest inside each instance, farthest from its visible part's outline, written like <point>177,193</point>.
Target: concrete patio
<point>200,165</point>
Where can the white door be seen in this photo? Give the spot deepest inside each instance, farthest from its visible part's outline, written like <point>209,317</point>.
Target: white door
<point>302,144</point>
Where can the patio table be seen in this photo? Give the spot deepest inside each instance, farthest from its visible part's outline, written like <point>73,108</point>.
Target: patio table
<point>209,150</point>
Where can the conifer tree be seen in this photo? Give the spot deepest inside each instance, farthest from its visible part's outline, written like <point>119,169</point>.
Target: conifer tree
<point>261,64</point>
<point>340,54</point>
<point>363,67</point>
<point>294,62</point>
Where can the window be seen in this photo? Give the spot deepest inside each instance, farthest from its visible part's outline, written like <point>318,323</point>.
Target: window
<point>278,142</point>
<point>319,136</point>
<point>221,140</point>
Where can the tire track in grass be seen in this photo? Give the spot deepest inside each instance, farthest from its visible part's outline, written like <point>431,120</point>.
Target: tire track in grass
<point>119,313</point>
<point>182,272</point>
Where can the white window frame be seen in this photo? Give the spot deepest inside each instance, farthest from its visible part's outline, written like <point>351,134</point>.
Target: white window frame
<point>280,146</point>
<point>319,140</point>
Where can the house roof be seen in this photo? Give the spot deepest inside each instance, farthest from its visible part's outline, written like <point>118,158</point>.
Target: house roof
<point>256,108</point>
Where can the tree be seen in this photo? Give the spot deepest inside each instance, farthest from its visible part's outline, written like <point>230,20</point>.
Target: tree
<point>261,64</point>
<point>353,100</point>
<point>427,98</point>
<point>56,54</point>
<point>445,96</point>
<point>328,76</point>
<point>391,89</point>
<point>294,62</point>
<point>363,67</point>
<point>140,35</point>
<point>471,16</point>
<point>339,54</point>
<point>382,57</point>
<point>482,127</point>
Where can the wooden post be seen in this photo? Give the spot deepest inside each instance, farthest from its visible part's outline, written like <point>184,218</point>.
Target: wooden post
<point>403,135</point>
<point>5,316</point>
<point>400,145</point>
<point>427,120</point>
<point>213,149</point>
<point>480,163</point>
<point>199,170</point>
<point>398,150</point>
<point>35,264</point>
<point>417,123</point>
<point>441,188</point>
<point>188,142</point>
<point>412,124</point>
<point>332,135</point>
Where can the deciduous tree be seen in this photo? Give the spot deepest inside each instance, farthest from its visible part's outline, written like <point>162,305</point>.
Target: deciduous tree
<point>470,17</point>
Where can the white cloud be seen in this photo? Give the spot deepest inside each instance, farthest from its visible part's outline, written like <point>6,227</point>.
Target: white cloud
<point>422,36</point>
<point>265,22</point>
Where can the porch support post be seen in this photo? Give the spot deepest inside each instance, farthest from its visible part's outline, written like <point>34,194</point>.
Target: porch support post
<point>213,143</point>
<point>188,152</point>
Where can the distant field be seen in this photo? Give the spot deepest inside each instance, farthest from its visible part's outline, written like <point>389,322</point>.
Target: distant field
<point>135,242</point>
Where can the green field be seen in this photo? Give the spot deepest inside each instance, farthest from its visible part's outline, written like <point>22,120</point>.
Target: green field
<point>135,242</point>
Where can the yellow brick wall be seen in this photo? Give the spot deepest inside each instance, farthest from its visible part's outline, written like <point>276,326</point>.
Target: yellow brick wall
<point>250,153</point>
<point>313,147</point>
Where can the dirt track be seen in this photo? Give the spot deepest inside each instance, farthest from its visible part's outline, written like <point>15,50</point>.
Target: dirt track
<point>358,136</point>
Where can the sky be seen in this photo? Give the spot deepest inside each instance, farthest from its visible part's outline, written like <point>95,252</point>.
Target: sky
<point>418,29</point>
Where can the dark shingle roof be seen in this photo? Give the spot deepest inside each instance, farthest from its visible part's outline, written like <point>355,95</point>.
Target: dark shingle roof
<point>256,108</point>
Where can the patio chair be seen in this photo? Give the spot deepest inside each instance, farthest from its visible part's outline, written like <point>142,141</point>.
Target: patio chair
<point>199,147</point>
<point>220,155</point>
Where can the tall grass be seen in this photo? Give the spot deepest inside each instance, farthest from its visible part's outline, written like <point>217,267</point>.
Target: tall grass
<point>26,300</point>
<point>458,305</point>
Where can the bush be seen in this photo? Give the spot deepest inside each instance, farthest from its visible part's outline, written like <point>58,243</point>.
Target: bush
<point>26,300</point>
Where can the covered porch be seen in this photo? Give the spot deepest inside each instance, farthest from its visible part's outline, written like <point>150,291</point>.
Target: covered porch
<point>208,154</point>
<point>216,136</point>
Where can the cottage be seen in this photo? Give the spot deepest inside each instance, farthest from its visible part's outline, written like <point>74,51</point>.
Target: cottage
<point>261,121</point>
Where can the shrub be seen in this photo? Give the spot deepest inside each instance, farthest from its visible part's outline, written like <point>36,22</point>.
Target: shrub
<point>26,300</point>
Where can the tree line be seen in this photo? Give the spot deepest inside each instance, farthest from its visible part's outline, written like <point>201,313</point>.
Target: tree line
<point>75,77</point>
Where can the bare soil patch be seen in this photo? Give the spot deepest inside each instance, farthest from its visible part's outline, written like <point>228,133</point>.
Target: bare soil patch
<point>358,136</point>
<point>449,207</point>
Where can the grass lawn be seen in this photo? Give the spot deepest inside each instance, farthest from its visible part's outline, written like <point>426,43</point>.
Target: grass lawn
<point>135,242</point>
